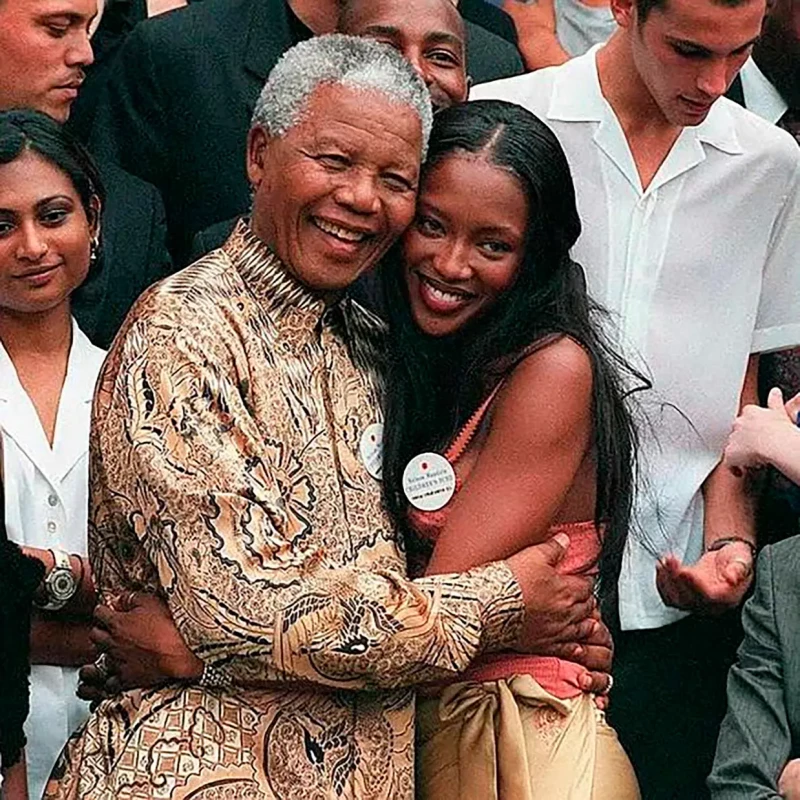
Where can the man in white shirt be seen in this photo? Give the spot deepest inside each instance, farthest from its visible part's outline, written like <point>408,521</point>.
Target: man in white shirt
<point>691,213</point>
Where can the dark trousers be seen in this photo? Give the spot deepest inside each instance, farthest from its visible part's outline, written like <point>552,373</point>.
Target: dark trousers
<point>669,699</point>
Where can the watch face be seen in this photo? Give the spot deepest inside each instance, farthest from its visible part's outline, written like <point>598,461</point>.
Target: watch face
<point>62,584</point>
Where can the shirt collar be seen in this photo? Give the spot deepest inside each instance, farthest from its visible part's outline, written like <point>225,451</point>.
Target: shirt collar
<point>296,309</point>
<point>760,96</point>
<point>576,93</point>
<point>577,98</point>
<point>85,360</point>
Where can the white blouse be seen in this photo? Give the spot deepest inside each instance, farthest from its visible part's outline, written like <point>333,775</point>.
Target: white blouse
<point>46,505</point>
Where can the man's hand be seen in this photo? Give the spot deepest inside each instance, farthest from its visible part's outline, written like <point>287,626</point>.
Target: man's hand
<point>561,616</point>
<point>789,781</point>
<point>535,21</point>
<point>533,16</point>
<point>143,647</point>
<point>716,583</point>
<point>759,433</point>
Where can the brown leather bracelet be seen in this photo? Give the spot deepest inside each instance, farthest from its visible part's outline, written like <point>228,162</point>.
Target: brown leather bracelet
<point>718,544</point>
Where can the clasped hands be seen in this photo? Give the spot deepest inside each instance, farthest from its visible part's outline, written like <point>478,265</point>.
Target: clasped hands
<point>144,648</point>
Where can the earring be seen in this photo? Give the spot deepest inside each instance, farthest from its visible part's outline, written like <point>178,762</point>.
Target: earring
<point>94,249</point>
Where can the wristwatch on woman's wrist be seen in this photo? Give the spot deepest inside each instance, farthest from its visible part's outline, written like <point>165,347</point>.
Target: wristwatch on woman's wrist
<point>59,584</point>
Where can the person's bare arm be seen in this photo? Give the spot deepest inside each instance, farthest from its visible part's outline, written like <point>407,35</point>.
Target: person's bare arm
<point>539,436</point>
<point>729,506</point>
<point>763,436</point>
<point>61,638</point>
<point>61,642</point>
<point>82,604</point>
<point>15,782</point>
<point>535,21</point>
<point>539,439</point>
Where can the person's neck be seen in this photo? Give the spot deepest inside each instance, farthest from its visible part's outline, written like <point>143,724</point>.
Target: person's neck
<point>650,135</point>
<point>43,336</point>
<point>264,233</point>
<point>622,86</point>
<point>319,16</point>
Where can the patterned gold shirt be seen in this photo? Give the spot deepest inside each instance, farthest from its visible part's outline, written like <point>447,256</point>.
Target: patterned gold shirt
<point>226,475</point>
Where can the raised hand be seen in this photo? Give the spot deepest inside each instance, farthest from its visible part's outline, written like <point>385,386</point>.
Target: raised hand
<point>759,433</point>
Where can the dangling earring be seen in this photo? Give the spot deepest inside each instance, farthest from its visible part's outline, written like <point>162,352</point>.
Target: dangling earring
<point>94,249</point>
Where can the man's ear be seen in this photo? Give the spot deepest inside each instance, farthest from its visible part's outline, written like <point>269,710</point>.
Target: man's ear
<point>257,145</point>
<point>625,13</point>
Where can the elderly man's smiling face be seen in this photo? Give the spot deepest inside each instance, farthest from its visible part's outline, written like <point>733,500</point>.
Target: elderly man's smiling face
<point>335,191</point>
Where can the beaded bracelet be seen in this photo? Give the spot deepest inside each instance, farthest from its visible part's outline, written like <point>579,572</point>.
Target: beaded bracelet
<point>718,544</point>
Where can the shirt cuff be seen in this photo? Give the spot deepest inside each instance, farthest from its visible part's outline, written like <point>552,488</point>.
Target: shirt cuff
<point>780,337</point>
<point>502,607</point>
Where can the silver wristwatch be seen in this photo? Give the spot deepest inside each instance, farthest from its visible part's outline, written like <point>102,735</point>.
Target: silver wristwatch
<point>60,584</point>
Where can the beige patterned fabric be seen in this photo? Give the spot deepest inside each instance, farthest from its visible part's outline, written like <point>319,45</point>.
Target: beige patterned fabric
<point>225,473</point>
<point>497,740</point>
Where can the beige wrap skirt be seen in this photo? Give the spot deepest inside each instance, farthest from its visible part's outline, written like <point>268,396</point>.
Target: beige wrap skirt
<point>512,740</point>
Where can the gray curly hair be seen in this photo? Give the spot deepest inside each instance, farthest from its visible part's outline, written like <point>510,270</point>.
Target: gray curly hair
<point>344,60</point>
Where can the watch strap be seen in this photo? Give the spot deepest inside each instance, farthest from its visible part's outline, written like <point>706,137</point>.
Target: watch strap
<point>61,572</point>
<point>61,560</point>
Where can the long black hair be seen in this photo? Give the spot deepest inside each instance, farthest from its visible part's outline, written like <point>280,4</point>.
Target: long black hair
<point>19,577</point>
<point>25,130</point>
<point>435,384</point>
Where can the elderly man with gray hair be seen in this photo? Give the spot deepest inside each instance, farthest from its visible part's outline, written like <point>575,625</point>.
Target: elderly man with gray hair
<point>234,476</point>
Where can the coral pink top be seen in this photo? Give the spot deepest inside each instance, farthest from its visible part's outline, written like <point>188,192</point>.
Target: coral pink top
<point>557,676</point>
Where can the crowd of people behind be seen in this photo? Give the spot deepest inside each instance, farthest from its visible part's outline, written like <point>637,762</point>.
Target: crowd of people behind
<point>384,381</point>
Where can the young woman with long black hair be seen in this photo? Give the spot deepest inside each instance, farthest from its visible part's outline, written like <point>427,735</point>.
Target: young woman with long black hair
<point>498,365</point>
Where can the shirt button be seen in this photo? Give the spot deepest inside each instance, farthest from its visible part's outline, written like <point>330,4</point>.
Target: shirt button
<point>51,526</point>
<point>53,500</point>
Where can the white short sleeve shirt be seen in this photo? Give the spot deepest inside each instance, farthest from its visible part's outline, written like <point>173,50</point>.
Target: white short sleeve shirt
<point>46,505</point>
<point>700,269</point>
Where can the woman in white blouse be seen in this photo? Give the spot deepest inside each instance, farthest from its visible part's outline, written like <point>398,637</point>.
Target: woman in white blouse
<point>50,202</point>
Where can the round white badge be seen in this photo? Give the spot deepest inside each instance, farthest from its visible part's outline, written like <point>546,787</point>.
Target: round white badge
<point>370,448</point>
<point>429,481</point>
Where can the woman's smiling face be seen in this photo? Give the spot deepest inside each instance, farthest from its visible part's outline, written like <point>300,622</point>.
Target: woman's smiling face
<point>465,246</point>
